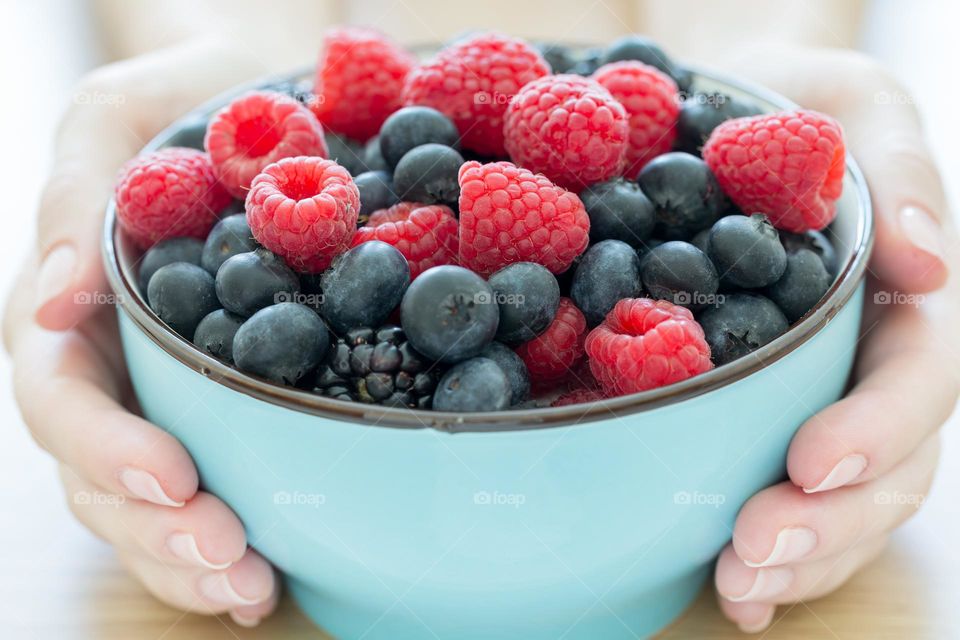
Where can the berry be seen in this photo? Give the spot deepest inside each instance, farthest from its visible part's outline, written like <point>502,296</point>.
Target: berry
<point>558,56</point>
<point>634,47</point>
<point>168,194</point>
<point>426,235</point>
<point>281,343</point>
<point>428,174</point>
<point>229,237</point>
<point>681,273</point>
<point>411,127</point>
<point>305,210</point>
<point>363,286</point>
<point>568,128</point>
<point>528,296</point>
<point>471,82</point>
<point>684,192</point>
<point>215,333</point>
<point>377,367</point>
<point>181,294</point>
<point>702,240</point>
<point>167,252</point>
<point>608,272</point>
<point>509,214</point>
<point>448,314</point>
<point>650,98</point>
<point>586,62</point>
<point>258,129</point>
<point>789,165</point>
<point>618,210</point>
<point>360,76</point>
<point>372,157</point>
<point>248,282</point>
<point>345,152</point>
<point>551,355</point>
<point>577,396</point>
<point>644,344</point>
<point>189,133</point>
<point>511,364</point>
<point>477,384</point>
<point>814,241</point>
<point>701,113</point>
<point>376,192</point>
<point>747,251</point>
<point>803,283</point>
<point>743,323</point>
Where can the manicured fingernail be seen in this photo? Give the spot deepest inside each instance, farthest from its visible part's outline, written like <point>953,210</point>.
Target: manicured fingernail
<point>922,230</point>
<point>217,587</point>
<point>184,546</point>
<point>792,544</point>
<point>55,273</point>
<point>766,584</point>
<point>144,486</point>
<point>244,621</point>
<point>760,625</point>
<point>846,471</point>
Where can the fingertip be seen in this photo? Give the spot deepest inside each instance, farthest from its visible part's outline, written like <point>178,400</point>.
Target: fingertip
<point>67,291</point>
<point>907,268</point>
<point>750,617</point>
<point>253,615</point>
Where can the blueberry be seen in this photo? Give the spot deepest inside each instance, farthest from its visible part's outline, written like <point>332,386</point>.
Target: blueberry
<point>228,238</point>
<point>747,251</point>
<point>802,285</point>
<point>701,240</point>
<point>190,133</point>
<point>411,127</point>
<point>168,252</point>
<point>181,294</point>
<point>742,323</point>
<point>250,281</point>
<point>684,193</point>
<point>215,332</point>
<point>634,47</point>
<point>558,56</point>
<point>680,273</point>
<point>376,191</point>
<point>814,241</point>
<point>372,157</point>
<point>702,112</point>
<point>428,174</point>
<point>586,62</point>
<point>608,272</point>
<point>618,210</point>
<point>478,384</point>
<point>512,365</point>
<point>282,342</point>
<point>528,295</point>
<point>449,314</point>
<point>345,152</point>
<point>363,286</point>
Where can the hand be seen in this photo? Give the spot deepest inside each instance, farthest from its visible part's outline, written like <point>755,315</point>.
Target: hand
<point>859,468</point>
<point>186,546</point>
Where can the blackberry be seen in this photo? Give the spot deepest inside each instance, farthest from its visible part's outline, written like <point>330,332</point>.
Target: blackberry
<point>377,367</point>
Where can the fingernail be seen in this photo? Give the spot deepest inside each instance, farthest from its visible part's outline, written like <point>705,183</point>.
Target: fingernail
<point>763,623</point>
<point>922,230</point>
<point>244,621</point>
<point>55,273</point>
<point>184,546</point>
<point>217,587</point>
<point>792,544</point>
<point>767,584</point>
<point>845,472</point>
<point>144,486</point>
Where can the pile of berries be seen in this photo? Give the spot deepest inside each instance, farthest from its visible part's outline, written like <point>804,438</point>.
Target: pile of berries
<point>503,225</point>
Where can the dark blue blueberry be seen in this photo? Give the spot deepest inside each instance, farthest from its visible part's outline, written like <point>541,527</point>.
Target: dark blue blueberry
<point>814,241</point>
<point>586,62</point>
<point>746,251</point>
<point>281,343</point>
<point>181,294</point>
<point>802,285</point>
<point>634,47</point>
<point>558,56</point>
<point>680,273</point>
<point>618,210</point>
<point>376,191</point>
<point>742,323</point>
<point>250,281</point>
<point>411,127</point>
<point>229,237</point>
<point>684,193</point>
<point>701,240</point>
<point>608,273</point>
<point>345,152</point>
<point>190,133</point>
<point>215,333</point>
<point>478,384</point>
<point>363,286</point>
<point>449,314</point>
<point>428,174</point>
<point>372,157</point>
<point>512,365</point>
<point>702,112</point>
<point>528,295</point>
<point>168,252</point>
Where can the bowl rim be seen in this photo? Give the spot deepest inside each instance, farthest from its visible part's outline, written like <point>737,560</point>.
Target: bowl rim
<point>131,302</point>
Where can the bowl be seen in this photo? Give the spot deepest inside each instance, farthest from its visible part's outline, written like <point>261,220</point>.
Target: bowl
<point>587,521</point>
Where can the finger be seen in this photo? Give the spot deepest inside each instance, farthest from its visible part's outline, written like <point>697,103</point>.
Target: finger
<point>751,617</point>
<point>252,615</point>
<point>783,525</point>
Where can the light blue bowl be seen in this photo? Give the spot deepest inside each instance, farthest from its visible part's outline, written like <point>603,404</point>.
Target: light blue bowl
<point>591,521</point>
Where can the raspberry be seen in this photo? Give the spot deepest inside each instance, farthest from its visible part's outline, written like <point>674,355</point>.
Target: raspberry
<point>644,344</point>
<point>577,396</point>
<point>788,165</point>
<point>568,128</point>
<point>650,98</point>
<point>426,235</point>
<point>359,78</point>
<point>258,129</point>
<point>472,81</point>
<point>167,194</point>
<point>551,355</point>
<point>509,214</point>
<point>305,210</point>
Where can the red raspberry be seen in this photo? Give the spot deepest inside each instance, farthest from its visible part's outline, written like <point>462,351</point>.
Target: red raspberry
<point>643,344</point>
<point>568,128</point>
<point>472,81</point>
<point>167,194</point>
<point>577,396</point>
<point>788,165</point>
<point>359,79</point>
<point>509,214</point>
<point>652,104</point>
<point>426,235</point>
<point>258,129</point>
<point>305,210</point>
<point>551,355</point>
